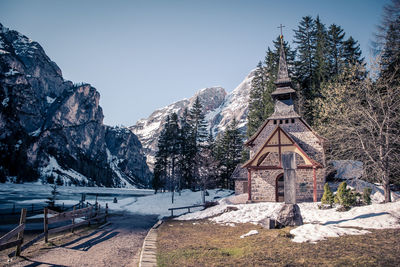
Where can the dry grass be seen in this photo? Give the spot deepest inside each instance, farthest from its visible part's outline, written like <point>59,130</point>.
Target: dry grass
<point>208,244</point>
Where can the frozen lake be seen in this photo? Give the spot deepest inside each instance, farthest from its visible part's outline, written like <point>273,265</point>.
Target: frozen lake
<point>24,195</point>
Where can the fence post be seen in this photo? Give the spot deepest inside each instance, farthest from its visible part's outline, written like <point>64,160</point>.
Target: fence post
<point>73,220</point>
<point>22,220</point>
<point>105,217</point>
<point>98,213</point>
<point>90,215</point>
<point>13,208</point>
<point>45,225</point>
<point>32,207</point>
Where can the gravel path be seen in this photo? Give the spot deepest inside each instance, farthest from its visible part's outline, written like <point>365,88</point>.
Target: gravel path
<point>117,244</point>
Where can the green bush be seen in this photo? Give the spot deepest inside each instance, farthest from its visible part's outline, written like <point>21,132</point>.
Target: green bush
<point>344,196</point>
<point>367,196</point>
<point>328,197</point>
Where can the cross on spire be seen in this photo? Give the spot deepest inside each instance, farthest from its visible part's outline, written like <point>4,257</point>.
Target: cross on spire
<point>281,26</point>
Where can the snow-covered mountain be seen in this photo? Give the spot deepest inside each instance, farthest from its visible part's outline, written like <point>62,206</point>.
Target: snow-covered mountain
<point>220,109</point>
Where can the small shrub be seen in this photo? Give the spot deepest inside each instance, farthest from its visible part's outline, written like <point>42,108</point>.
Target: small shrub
<point>367,195</point>
<point>345,196</point>
<point>59,181</point>
<point>51,201</point>
<point>50,179</point>
<point>328,197</point>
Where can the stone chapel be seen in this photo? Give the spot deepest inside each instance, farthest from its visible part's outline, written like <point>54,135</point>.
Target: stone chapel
<point>285,131</point>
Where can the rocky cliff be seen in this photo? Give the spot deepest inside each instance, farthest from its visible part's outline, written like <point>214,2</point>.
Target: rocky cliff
<point>220,109</point>
<point>51,128</point>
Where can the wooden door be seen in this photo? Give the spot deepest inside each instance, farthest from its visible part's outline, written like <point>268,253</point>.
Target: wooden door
<point>280,188</point>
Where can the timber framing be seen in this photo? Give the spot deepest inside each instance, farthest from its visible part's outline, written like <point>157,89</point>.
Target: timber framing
<point>292,146</point>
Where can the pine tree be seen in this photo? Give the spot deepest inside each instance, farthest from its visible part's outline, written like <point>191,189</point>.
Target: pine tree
<point>51,201</point>
<point>321,72</point>
<point>173,141</point>
<point>198,134</point>
<point>336,49</point>
<point>391,54</point>
<point>206,166</point>
<point>187,154</point>
<point>256,115</point>
<point>197,123</point>
<point>387,43</point>
<point>161,164</point>
<point>228,153</point>
<point>327,197</point>
<point>352,52</point>
<point>305,39</point>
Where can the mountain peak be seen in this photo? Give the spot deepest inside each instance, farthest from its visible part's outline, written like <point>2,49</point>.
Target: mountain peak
<point>219,107</point>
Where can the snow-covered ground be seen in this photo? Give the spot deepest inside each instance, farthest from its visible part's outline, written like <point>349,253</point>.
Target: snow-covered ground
<point>160,203</point>
<point>318,224</point>
<point>139,201</point>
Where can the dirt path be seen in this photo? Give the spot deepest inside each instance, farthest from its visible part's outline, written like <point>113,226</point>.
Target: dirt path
<point>117,244</point>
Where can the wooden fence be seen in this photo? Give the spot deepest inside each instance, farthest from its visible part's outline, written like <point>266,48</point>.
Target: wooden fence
<point>85,216</point>
<point>18,231</point>
<point>89,214</point>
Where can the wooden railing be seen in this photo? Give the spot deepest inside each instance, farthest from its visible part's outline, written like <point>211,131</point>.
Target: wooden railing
<point>87,215</point>
<point>17,231</point>
<point>186,207</point>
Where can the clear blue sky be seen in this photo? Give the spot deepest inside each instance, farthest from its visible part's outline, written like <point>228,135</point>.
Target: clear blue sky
<point>143,55</point>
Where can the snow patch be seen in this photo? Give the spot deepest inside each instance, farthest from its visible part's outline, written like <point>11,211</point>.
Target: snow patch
<point>50,100</point>
<point>5,102</point>
<point>316,232</point>
<point>54,168</point>
<point>36,132</point>
<point>18,144</point>
<point>113,161</point>
<point>251,232</point>
<point>11,72</point>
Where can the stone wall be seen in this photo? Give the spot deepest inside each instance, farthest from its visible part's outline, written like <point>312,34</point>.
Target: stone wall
<point>305,184</point>
<point>241,187</point>
<point>263,184</point>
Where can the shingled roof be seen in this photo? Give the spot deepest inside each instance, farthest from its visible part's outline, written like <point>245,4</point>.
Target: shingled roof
<point>239,173</point>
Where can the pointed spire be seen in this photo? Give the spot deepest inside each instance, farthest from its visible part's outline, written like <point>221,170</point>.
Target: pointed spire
<point>283,74</point>
<point>284,93</point>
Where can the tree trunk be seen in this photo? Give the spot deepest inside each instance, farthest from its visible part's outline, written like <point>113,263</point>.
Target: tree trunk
<point>386,189</point>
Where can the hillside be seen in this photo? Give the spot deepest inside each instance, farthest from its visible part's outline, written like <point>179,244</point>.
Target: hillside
<point>52,129</point>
